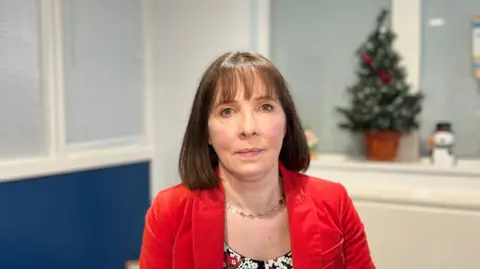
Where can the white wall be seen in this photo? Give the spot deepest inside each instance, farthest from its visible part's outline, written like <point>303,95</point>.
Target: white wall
<point>188,36</point>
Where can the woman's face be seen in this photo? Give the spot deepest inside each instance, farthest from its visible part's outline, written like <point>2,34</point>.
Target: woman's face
<point>247,134</point>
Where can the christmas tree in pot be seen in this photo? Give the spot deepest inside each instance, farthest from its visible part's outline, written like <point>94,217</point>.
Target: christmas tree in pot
<point>382,106</point>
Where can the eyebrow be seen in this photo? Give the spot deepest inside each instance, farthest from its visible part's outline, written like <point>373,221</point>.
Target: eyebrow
<point>260,98</point>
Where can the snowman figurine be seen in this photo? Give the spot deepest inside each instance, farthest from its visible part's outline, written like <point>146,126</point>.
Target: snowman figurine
<point>441,143</point>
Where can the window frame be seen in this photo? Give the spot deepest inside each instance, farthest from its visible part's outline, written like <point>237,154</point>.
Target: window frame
<point>409,45</point>
<point>58,158</point>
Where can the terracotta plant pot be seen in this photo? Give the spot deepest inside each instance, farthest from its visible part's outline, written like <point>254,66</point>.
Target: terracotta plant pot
<point>381,145</point>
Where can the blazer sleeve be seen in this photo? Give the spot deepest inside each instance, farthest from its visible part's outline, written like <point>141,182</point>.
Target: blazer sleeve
<point>158,237</point>
<point>356,249</point>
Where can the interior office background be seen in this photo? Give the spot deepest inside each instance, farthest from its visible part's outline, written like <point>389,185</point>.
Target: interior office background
<point>95,96</point>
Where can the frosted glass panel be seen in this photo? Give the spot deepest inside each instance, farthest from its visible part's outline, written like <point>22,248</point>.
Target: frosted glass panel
<point>103,70</point>
<point>313,43</point>
<point>22,122</point>
<point>452,93</point>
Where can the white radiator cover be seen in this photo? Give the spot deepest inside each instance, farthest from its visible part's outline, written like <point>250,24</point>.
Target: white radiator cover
<point>415,220</point>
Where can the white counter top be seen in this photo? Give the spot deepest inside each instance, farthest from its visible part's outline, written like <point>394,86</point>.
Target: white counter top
<point>404,183</point>
<point>467,168</point>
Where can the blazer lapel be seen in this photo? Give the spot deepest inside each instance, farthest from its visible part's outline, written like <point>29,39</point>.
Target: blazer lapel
<point>208,226</point>
<point>305,237</point>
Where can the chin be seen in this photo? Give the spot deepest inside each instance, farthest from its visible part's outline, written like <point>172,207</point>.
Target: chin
<point>254,170</point>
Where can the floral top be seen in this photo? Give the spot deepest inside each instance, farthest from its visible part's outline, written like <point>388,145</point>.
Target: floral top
<point>233,260</point>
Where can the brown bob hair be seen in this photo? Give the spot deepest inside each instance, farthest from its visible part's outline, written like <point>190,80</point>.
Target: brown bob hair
<point>219,83</point>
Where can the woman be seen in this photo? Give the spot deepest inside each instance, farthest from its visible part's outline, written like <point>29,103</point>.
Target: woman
<point>243,202</point>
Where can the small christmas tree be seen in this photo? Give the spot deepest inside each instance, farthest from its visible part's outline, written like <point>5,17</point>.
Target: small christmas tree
<point>381,100</point>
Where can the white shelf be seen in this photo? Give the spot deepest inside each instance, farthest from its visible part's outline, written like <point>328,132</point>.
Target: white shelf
<point>464,168</point>
<point>417,184</point>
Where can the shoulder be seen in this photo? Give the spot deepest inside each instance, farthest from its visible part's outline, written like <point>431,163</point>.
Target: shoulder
<point>170,203</point>
<point>173,197</point>
<point>328,198</point>
<point>322,192</point>
<point>323,188</point>
<point>319,188</point>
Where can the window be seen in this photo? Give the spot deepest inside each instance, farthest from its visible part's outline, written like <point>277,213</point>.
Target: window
<point>103,69</point>
<point>313,44</point>
<point>452,92</point>
<point>74,85</point>
<point>22,112</point>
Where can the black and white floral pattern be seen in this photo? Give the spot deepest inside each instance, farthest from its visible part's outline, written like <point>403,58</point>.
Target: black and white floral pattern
<point>233,260</point>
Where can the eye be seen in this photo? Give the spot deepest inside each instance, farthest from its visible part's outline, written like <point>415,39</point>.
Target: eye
<point>227,112</point>
<point>267,107</point>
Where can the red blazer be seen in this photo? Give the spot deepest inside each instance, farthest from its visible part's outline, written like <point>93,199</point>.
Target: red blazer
<point>184,229</point>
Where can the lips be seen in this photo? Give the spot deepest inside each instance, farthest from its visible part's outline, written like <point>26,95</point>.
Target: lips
<point>250,152</point>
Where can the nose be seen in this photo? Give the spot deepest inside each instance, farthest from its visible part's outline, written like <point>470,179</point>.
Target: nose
<point>248,125</point>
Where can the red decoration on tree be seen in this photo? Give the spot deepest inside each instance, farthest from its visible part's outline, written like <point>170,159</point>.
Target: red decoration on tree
<point>384,76</point>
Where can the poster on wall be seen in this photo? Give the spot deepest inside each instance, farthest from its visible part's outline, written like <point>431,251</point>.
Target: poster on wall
<point>476,46</point>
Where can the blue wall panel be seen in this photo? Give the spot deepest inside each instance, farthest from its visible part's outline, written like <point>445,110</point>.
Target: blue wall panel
<point>86,220</point>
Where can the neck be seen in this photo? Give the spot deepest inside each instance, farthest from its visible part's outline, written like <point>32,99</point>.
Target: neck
<point>252,196</point>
